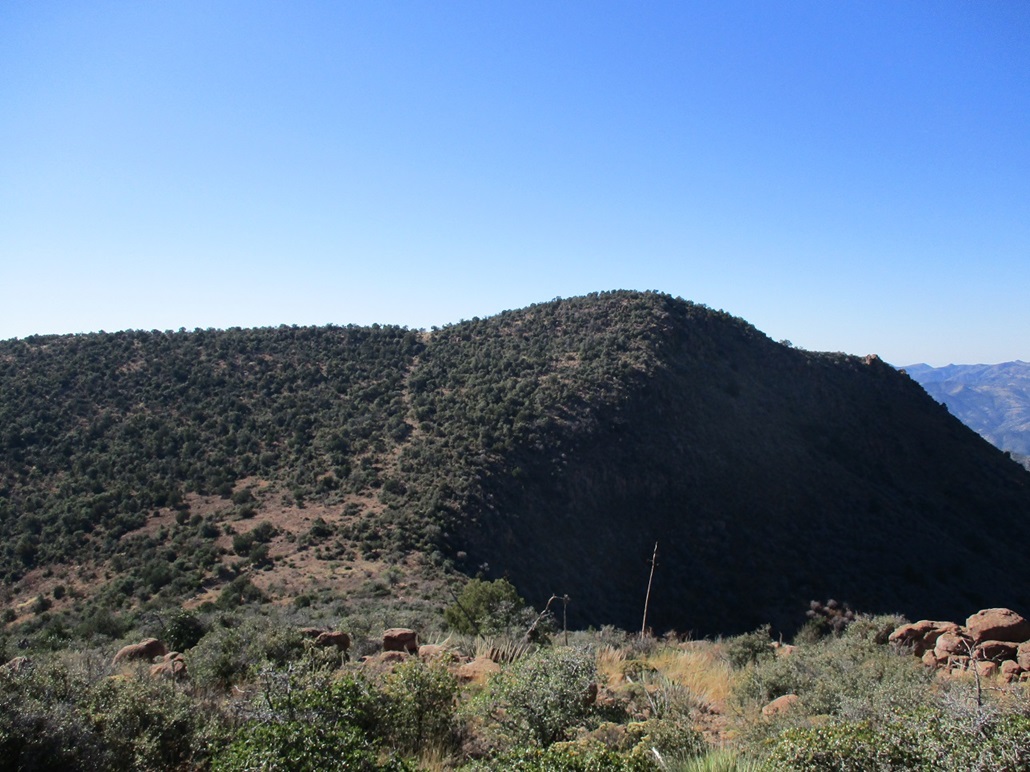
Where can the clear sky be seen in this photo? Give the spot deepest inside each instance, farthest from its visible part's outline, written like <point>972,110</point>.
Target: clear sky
<point>852,176</point>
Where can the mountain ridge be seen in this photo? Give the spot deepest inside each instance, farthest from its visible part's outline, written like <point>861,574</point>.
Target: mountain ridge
<point>552,445</point>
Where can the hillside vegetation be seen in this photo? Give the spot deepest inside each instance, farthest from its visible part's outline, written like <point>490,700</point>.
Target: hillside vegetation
<point>552,445</point>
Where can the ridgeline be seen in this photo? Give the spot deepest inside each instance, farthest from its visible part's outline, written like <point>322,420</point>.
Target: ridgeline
<point>552,445</point>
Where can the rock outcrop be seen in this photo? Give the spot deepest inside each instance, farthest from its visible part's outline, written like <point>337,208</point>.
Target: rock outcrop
<point>400,639</point>
<point>994,641</point>
<point>145,650</point>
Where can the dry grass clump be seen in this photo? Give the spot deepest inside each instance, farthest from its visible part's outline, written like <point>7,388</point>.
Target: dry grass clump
<point>700,667</point>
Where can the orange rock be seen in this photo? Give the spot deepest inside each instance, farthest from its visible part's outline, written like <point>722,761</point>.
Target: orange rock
<point>1010,671</point>
<point>400,639</point>
<point>998,624</point>
<point>952,644</point>
<point>996,651</point>
<point>780,705</point>
<point>146,649</point>
<point>1023,655</point>
<point>985,669</point>
<point>478,670</point>
<point>922,635</point>
<point>384,661</point>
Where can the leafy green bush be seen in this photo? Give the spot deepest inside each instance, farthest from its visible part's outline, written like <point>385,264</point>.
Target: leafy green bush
<point>40,724</point>
<point>565,757</point>
<point>421,707</point>
<point>236,650</point>
<point>844,746</point>
<point>748,648</point>
<point>544,695</point>
<point>183,631</point>
<point>485,608</point>
<point>309,723</point>
<point>934,738</point>
<point>147,724</point>
<point>839,675</point>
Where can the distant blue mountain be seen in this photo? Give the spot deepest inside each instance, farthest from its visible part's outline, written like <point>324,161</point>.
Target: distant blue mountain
<point>993,400</point>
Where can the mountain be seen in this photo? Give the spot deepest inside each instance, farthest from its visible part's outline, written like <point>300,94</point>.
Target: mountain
<point>994,400</point>
<point>552,445</point>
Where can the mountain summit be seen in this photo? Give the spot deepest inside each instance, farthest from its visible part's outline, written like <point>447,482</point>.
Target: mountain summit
<point>552,445</point>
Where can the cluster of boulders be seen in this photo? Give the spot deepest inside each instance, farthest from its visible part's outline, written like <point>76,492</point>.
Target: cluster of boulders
<point>398,645</point>
<point>401,643</point>
<point>992,642</point>
<point>164,663</point>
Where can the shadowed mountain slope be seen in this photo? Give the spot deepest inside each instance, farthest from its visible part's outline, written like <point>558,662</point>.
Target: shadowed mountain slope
<point>552,445</point>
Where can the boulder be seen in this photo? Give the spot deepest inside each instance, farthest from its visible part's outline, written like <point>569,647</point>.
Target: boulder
<point>145,650</point>
<point>435,652</point>
<point>16,665</point>
<point>780,705</point>
<point>957,662</point>
<point>478,670</point>
<point>171,666</point>
<point>333,638</point>
<point>985,669</point>
<point>1023,655</point>
<point>930,660</point>
<point>1010,671</point>
<point>952,644</point>
<point>384,661</point>
<point>996,651</point>
<point>998,624</point>
<point>922,635</point>
<point>400,639</point>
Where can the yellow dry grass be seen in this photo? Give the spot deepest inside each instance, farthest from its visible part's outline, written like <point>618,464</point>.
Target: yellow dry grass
<point>696,665</point>
<point>700,667</point>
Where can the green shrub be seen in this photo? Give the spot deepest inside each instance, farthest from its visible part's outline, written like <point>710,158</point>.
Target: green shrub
<point>239,592</point>
<point>544,695</point>
<point>565,757</point>
<point>41,726</point>
<point>421,707</point>
<point>742,650</point>
<point>308,722</point>
<point>485,608</point>
<point>183,631</point>
<point>846,746</point>
<point>147,724</point>
<point>839,675</point>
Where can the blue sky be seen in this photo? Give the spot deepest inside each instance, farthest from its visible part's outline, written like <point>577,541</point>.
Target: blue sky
<point>852,176</point>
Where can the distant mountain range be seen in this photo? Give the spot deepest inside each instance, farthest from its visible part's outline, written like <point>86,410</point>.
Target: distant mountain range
<point>993,400</point>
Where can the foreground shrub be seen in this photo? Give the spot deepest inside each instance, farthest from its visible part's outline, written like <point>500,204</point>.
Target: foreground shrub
<point>419,707</point>
<point>147,724</point>
<point>235,651</point>
<point>564,757</point>
<point>57,717</point>
<point>839,675</point>
<point>842,746</point>
<point>746,649</point>
<point>308,723</point>
<point>953,738</point>
<point>544,695</point>
<point>40,724</point>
